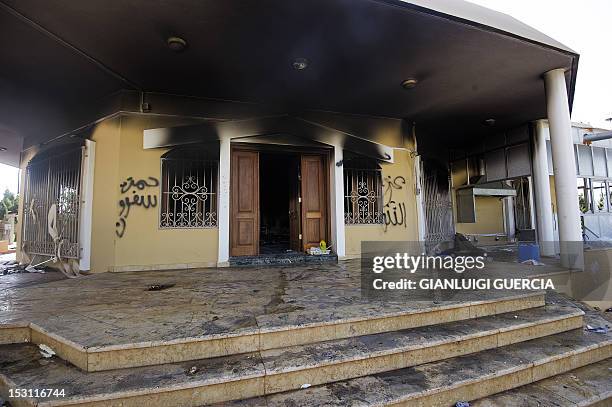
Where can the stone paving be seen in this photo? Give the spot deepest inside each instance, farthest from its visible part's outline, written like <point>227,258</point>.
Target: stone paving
<point>118,308</point>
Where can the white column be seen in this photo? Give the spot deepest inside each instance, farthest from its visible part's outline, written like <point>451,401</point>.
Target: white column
<point>557,106</point>
<point>337,195</point>
<point>86,211</point>
<point>541,187</point>
<point>223,218</point>
<point>508,208</point>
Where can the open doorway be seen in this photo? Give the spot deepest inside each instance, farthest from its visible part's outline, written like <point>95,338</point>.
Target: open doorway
<point>279,207</point>
<point>278,201</point>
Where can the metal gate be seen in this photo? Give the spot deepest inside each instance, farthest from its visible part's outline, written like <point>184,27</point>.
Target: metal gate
<point>438,208</point>
<point>522,205</point>
<point>52,205</point>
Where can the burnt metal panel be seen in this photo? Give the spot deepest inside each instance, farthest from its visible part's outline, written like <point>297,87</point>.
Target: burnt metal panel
<point>517,135</point>
<point>495,141</point>
<point>466,206</point>
<point>495,163</point>
<point>518,161</point>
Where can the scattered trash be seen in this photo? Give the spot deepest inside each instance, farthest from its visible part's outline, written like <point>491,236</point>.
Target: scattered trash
<point>598,329</point>
<point>305,386</point>
<point>316,251</point>
<point>516,316</point>
<point>46,351</point>
<point>462,404</point>
<point>13,267</point>
<point>533,262</point>
<point>193,370</point>
<point>32,269</point>
<point>609,309</point>
<point>159,287</point>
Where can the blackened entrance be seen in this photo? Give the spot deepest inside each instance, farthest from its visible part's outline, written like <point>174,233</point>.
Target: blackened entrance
<point>278,195</point>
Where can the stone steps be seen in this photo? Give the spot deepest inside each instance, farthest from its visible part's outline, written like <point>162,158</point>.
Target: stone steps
<point>273,331</point>
<point>282,370</point>
<point>586,386</point>
<point>462,378</point>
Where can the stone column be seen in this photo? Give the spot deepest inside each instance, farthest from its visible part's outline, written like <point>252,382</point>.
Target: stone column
<point>338,230</point>
<point>570,231</point>
<point>223,215</point>
<point>541,187</point>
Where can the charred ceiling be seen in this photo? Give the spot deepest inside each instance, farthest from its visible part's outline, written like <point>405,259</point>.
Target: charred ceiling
<point>64,60</point>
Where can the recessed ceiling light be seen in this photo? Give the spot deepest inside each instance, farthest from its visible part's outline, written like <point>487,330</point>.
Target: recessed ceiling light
<point>176,44</point>
<point>299,64</point>
<point>409,83</point>
<point>2,148</point>
<point>489,122</point>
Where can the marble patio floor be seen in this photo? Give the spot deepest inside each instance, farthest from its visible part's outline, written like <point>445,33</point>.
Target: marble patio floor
<point>113,309</point>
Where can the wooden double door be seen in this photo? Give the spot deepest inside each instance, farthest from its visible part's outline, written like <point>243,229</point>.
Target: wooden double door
<point>307,203</point>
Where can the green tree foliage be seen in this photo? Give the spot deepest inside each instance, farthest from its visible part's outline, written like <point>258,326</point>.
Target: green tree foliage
<point>9,203</point>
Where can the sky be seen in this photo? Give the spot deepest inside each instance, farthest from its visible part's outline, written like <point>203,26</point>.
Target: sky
<point>8,178</point>
<point>585,26</point>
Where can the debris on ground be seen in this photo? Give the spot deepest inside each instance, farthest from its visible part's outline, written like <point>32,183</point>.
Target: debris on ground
<point>609,309</point>
<point>13,267</point>
<point>305,386</point>
<point>193,370</point>
<point>159,287</point>
<point>598,329</point>
<point>32,269</point>
<point>46,351</point>
<point>461,246</point>
<point>533,262</point>
<point>462,404</point>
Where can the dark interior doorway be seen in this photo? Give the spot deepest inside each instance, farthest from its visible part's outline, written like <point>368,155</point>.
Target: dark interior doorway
<point>278,195</point>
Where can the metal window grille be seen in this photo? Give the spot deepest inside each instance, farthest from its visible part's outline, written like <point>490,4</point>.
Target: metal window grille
<point>362,193</point>
<point>53,180</point>
<point>189,192</point>
<point>435,189</point>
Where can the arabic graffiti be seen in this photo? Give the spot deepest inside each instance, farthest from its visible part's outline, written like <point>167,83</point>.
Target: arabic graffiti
<point>394,213</point>
<point>135,199</point>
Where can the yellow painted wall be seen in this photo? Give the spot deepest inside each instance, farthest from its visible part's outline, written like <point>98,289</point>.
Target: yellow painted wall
<point>106,175</point>
<point>119,154</point>
<point>355,234</point>
<point>489,217</point>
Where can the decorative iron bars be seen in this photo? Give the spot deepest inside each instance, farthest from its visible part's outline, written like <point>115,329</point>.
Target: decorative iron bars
<point>522,205</point>
<point>189,189</point>
<point>435,188</point>
<point>52,205</point>
<point>362,194</point>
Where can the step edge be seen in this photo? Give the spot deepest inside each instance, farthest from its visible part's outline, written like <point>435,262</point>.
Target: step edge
<point>205,383</point>
<point>150,344</point>
<point>493,375</point>
<point>433,344</point>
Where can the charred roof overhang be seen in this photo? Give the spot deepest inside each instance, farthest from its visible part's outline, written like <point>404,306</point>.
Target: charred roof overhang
<point>63,61</point>
<point>287,129</point>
